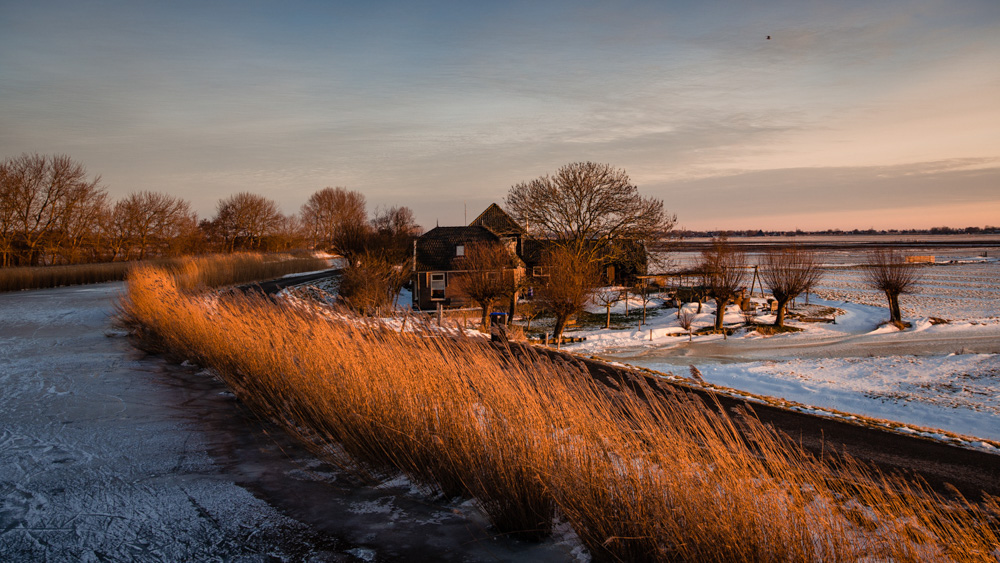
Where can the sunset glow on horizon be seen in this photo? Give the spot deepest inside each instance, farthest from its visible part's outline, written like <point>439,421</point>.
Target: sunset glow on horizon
<point>852,114</point>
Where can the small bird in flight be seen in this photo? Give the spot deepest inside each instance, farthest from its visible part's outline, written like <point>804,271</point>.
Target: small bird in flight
<point>768,37</point>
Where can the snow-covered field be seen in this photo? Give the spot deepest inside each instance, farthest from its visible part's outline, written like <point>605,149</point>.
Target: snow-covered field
<point>929,377</point>
<point>967,290</point>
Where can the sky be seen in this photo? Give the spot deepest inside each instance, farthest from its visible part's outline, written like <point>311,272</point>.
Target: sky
<point>852,115</point>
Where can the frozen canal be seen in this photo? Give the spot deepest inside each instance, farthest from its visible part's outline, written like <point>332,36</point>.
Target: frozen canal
<point>107,454</point>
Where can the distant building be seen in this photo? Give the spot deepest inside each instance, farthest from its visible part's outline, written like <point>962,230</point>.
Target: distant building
<point>436,251</point>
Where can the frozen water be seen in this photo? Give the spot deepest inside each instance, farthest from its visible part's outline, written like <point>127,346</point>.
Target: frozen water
<point>98,460</point>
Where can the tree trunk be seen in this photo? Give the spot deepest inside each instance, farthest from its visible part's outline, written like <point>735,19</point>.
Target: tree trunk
<point>894,313</point>
<point>720,312</point>
<point>486,311</point>
<point>607,322</point>
<point>560,325</point>
<point>779,319</point>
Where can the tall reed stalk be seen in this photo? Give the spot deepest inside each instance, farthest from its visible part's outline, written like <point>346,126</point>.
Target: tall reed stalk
<point>640,474</point>
<point>216,270</point>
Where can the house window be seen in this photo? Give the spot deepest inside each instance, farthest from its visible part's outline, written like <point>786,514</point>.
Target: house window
<point>437,286</point>
<point>460,250</point>
<point>537,271</point>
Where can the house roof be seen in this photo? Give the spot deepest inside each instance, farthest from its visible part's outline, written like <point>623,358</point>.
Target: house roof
<point>497,221</point>
<point>435,249</point>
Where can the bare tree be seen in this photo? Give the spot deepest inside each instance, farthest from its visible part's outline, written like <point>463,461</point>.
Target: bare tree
<point>39,192</point>
<point>145,221</point>
<point>645,293</point>
<point>367,285</point>
<point>725,271</point>
<point>244,219</point>
<point>685,318</point>
<point>79,226</point>
<point>378,253</point>
<point>396,221</point>
<point>291,233</point>
<point>528,311</point>
<point>331,210</point>
<point>788,273</point>
<point>886,270</point>
<point>394,229</point>
<point>606,297</point>
<point>591,209</point>
<point>488,273</point>
<point>7,219</point>
<point>571,281</point>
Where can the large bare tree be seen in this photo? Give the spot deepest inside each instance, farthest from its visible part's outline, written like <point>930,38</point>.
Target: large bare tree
<point>571,280</point>
<point>329,212</point>
<point>588,208</point>
<point>488,274</point>
<point>788,273</point>
<point>39,194</point>
<point>887,270</point>
<point>244,219</point>
<point>725,271</point>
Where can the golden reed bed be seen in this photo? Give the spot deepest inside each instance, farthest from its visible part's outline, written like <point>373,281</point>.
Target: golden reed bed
<point>666,478</point>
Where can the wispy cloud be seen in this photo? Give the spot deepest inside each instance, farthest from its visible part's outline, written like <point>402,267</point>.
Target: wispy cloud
<point>433,104</point>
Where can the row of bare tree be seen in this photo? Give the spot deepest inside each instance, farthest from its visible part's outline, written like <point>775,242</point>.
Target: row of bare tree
<point>793,271</point>
<point>53,212</point>
<point>491,278</point>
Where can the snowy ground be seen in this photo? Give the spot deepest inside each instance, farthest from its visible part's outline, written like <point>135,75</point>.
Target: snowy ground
<point>931,376</point>
<point>107,454</point>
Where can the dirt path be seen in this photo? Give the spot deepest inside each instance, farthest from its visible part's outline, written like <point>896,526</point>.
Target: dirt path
<point>982,340</point>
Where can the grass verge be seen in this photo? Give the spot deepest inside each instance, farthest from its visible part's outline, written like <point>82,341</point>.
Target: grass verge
<point>640,474</point>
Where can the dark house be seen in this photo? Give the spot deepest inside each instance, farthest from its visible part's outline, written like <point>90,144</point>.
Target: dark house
<point>435,253</point>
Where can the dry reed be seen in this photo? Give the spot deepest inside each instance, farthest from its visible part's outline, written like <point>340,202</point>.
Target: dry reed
<point>640,474</point>
<point>39,277</point>
<point>225,270</point>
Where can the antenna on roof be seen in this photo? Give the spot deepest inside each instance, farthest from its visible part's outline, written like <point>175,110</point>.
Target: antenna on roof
<point>465,206</point>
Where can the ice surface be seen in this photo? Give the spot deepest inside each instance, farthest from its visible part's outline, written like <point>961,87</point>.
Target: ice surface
<point>95,463</point>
